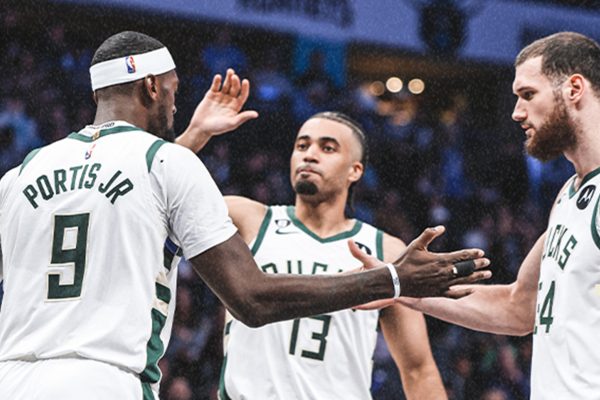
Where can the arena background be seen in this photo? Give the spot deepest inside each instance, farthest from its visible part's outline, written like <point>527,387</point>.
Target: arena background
<point>429,80</point>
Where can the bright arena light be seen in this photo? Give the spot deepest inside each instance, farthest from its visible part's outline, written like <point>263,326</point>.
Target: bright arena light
<point>416,86</point>
<point>394,84</point>
<point>376,88</point>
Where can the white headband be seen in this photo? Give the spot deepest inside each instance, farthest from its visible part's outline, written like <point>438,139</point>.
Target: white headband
<point>131,68</point>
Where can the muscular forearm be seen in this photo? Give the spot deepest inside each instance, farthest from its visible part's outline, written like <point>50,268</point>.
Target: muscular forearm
<point>282,297</point>
<point>491,308</point>
<point>257,298</point>
<point>406,336</point>
<point>424,383</point>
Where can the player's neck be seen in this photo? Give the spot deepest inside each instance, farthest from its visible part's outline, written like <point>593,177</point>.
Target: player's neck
<point>325,218</point>
<point>120,111</point>
<point>585,156</point>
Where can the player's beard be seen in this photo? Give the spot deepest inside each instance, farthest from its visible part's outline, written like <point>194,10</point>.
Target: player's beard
<point>304,187</point>
<point>557,134</point>
<point>160,125</point>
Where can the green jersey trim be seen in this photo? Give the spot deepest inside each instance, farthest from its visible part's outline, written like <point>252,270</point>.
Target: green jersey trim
<point>167,258</point>
<point>163,293</point>
<point>379,244</point>
<point>261,232</point>
<point>343,235</point>
<point>222,390</point>
<point>102,133</point>
<point>155,348</point>
<point>28,158</point>
<point>147,392</point>
<point>590,175</point>
<point>595,234</point>
<point>152,152</point>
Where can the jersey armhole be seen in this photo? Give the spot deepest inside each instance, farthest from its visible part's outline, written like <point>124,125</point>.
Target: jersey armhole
<point>262,231</point>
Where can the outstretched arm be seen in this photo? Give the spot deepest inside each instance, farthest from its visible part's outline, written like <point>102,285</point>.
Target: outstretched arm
<point>407,340</point>
<point>257,298</point>
<point>218,112</point>
<point>501,309</point>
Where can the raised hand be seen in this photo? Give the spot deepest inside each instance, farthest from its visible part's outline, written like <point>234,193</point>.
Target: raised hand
<point>426,274</point>
<point>219,111</point>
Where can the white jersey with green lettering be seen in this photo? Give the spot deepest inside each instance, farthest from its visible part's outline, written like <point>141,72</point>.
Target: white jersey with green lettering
<point>83,222</point>
<point>566,355</point>
<point>321,357</point>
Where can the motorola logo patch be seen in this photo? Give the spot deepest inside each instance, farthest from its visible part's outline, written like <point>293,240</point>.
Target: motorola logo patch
<point>586,196</point>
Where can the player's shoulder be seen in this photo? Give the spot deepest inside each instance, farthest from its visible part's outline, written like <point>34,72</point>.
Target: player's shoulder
<point>6,183</point>
<point>9,177</point>
<point>244,205</point>
<point>392,246</point>
<point>173,150</point>
<point>381,233</point>
<point>248,215</point>
<point>173,156</point>
<point>34,154</point>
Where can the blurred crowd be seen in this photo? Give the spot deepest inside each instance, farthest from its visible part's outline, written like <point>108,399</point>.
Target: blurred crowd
<point>426,168</point>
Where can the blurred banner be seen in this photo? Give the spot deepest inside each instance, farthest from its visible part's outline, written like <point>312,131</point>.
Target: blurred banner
<point>484,30</point>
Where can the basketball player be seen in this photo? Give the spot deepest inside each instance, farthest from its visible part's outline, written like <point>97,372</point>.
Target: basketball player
<point>328,356</point>
<point>82,226</point>
<point>557,292</point>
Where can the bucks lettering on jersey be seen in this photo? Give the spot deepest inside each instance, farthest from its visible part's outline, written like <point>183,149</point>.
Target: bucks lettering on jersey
<point>320,357</point>
<point>566,357</point>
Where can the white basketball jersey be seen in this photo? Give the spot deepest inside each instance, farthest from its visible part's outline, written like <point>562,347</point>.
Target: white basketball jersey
<point>566,354</point>
<point>321,357</point>
<point>83,222</point>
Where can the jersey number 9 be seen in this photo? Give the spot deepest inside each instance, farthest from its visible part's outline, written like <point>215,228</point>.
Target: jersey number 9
<point>69,248</point>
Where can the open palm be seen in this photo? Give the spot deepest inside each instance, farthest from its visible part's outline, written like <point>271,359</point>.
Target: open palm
<point>220,109</point>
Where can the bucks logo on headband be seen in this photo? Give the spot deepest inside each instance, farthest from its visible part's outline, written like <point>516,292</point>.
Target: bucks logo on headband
<point>130,62</point>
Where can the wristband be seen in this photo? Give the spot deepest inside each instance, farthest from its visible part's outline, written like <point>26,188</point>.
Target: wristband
<point>395,279</point>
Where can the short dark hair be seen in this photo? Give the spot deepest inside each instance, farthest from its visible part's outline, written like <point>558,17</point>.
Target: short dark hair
<point>127,43</point>
<point>354,126</point>
<point>123,44</point>
<point>358,133</point>
<point>564,54</point>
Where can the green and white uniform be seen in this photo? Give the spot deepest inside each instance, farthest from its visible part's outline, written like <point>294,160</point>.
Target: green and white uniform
<point>566,354</point>
<point>83,222</point>
<point>322,357</point>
